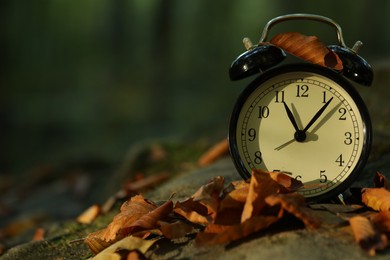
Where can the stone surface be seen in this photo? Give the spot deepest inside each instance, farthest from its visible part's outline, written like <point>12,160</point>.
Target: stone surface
<point>333,240</point>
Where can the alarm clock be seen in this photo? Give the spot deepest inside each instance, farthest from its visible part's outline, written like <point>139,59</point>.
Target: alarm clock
<point>302,119</point>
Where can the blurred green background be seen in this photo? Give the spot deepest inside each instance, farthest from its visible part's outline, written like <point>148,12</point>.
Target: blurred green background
<point>89,78</point>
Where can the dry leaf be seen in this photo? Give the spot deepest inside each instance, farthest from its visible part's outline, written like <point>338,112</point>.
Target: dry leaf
<point>131,211</point>
<point>132,187</point>
<point>95,242</point>
<point>308,48</point>
<point>174,230</point>
<point>366,235</point>
<point>142,184</point>
<point>19,226</point>
<point>234,196</point>
<point>376,198</point>
<point>229,216</point>
<point>214,153</point>
<point>221,234</point>
<point>291,184</point>
<point>193,211</point>
<point>202,207</point>
<point>128,243</point>
<point>261,185</point>
<point>381,181</point>
<point>89,214</point>
<point>129,221</point>
<point>39,234</point>
<point>382,221</point>
<point>135,255</point>
<point>294,203</point>
<point>148,221</point>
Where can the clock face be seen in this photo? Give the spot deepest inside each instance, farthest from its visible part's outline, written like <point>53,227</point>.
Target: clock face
<point>305,121</point>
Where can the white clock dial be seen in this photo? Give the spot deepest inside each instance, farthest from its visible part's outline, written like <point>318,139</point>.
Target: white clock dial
<point>302,123</point>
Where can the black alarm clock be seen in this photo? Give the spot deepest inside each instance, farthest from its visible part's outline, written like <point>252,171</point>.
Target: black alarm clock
<point>302,119</point>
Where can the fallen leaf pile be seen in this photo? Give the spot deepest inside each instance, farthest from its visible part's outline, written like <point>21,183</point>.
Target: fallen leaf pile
<point>220,214</point>
<point>372,232</point>
<point>224,213</point>
<point>308,48</point>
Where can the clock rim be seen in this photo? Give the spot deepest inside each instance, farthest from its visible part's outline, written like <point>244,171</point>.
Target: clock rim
<point>343,83</point>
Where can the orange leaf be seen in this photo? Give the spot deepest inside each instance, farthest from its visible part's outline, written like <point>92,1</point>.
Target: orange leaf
<point>221,234</point>
<point>308,48</point>
<point>235,195</point>
<point>39,234</point>
<point>381,181</point>
<point>291,184</point>
<point>134,187</point>
<point>174,230</point>
<point>261,185</point>
<point>193,211</point>
<point>95,242</point>
<point>366,235</point>
<point>131,211</point>
<point>294,203</point>
<point>229,216</point>
<point>89,215</point>
<point>382,221</point>
<point>124,245</point>
<point>376,198</point>
<point>214,153</point>
<point>149,220</point>
<point>202,207</point>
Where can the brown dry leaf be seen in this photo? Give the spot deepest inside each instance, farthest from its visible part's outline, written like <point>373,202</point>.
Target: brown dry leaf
<point>376,198</point>
<point>291,184</point>
<point>202,207</point>
<point>131,211</point>
<point>261,185</point>
<point>294,203</point>
<point>381,181</point>
<point>89,215</point>
<point>308,48</point>
<point>214,153</point>
<point>174,230</point>
<point>39,234</point>
<point>229,216</point>
<point>148,221</point>
<point>132,187</point>
<point>142,184</point>
<point>95,242</point>
<point>19,226</point>
<point>128,243</point>
<point>193,211</point>
<point>382,221</point>
<point>135,255</point>
<point>221,234</point>
<point>366,236</point>
<point>234,196</point>
<point>137,217</point>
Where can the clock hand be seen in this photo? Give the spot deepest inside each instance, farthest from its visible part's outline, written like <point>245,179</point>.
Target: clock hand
<point>284,145</point>
<point>317,115</point>
<point>291,116</point>
<point>299,135</point>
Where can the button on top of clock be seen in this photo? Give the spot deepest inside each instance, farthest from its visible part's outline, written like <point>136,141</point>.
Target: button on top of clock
<point>355,67</point>
<point>255,60</point>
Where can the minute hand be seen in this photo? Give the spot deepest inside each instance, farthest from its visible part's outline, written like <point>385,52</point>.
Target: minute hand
<point>317,115</point>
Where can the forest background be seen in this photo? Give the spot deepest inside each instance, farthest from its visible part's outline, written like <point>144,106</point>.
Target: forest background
<point>87,79</point>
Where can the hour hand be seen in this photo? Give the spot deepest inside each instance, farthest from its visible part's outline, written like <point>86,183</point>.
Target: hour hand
<point>291,117</point>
